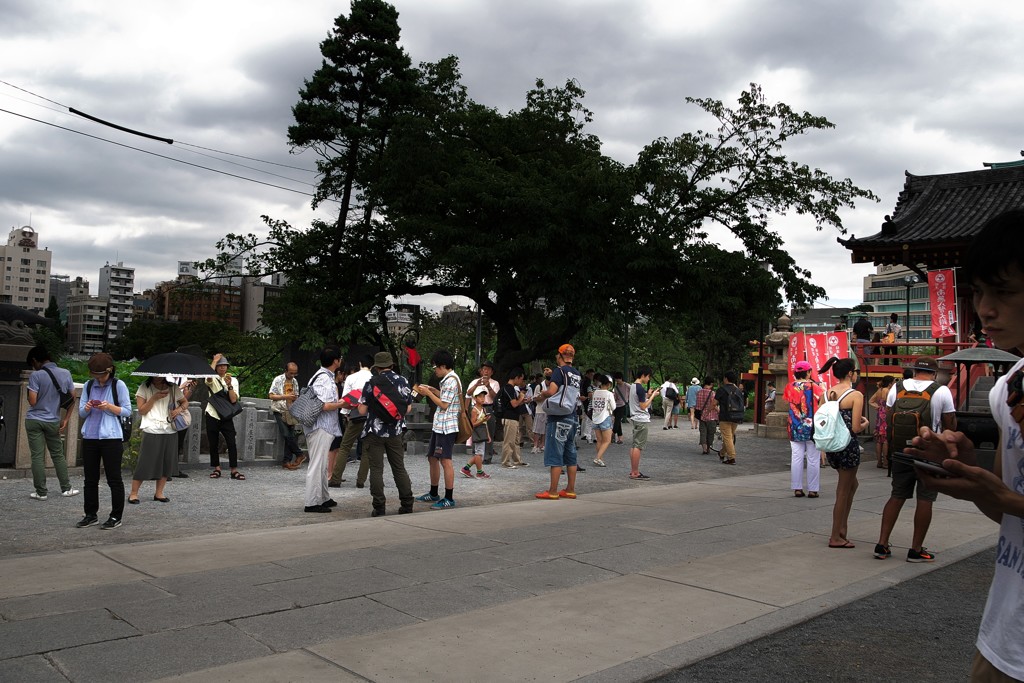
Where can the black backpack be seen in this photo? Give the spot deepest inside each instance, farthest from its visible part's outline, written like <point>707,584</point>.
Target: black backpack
<point>734,405</point>
<point>386,403</point>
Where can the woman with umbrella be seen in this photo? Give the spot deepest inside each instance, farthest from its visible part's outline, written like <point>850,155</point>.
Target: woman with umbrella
<point>159,402</point>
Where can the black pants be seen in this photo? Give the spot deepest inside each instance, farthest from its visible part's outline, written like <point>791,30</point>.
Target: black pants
<point>107,451</point>
<point>618,414</point>
<point>291,439</point>
<point>214,429</point>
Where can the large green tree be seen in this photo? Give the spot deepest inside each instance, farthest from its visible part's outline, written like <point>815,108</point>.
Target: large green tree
<point>522,213</point>
<point>339,271</point>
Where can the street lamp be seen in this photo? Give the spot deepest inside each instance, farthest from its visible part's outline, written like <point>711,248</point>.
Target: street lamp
<point>908,281</point>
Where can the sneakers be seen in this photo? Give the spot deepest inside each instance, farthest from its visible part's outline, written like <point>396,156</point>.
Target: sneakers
<point>882,552</point>
<point>316,508</point>
<point>443,504</point>
<point>920,556</point>
<point>36,496</point>
<point>483,475</point>
<point>111,523</point>
<point>429,498</point>
<point>600,463</point>
<point>580,468</point>
<point>524,464</point>
<point>508,466</point>
<point>88,520</point>
<point>467,472</point>
<point>69,493</point>
<point>566,494</point>
<point>546,495</point>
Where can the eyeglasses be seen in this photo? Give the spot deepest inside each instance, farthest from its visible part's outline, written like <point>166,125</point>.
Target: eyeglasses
<point>1015,396</point>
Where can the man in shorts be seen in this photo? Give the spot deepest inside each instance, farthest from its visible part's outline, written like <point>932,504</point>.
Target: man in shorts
<point>560,398</point>
<point>640,415</point>
<point>904,477</point>
<point>446,427</point>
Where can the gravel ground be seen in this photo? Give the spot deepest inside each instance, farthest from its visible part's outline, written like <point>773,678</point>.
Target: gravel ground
<point>272,497</point>
<point>919,630</point>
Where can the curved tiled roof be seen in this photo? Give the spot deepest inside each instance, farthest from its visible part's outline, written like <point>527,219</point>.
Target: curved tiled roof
<point>937,216</point>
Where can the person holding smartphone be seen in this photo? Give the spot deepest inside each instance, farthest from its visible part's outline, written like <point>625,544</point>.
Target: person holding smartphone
<point>996,275</point>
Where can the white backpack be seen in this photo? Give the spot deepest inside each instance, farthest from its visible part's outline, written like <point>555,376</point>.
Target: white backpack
<point>831,434</point>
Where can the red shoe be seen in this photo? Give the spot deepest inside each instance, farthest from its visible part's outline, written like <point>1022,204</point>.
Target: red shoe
<point>566,494</point>
<point>546,495</point>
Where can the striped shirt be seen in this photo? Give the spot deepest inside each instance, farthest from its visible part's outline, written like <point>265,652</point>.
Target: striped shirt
<point>447,421</point>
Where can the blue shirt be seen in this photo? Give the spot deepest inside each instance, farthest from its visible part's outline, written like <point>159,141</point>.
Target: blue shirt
<point>102,424</point>
<point>691,395</point>
<point>47,407</point>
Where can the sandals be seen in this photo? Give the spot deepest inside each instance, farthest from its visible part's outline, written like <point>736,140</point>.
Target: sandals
<point>812,494</point>
<point>215,474</point>
<point>799,493</point>
<point>238,475</point>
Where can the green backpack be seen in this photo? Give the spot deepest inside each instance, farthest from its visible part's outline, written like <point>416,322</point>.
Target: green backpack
<point>911,411</point>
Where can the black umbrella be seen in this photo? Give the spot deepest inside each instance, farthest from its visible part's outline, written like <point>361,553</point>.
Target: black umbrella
<point>175,364</point>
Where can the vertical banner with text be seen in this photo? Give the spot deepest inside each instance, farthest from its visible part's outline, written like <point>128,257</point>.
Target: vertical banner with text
<point>796,352</point>
<point>821,347</point>
<point>942,294</point>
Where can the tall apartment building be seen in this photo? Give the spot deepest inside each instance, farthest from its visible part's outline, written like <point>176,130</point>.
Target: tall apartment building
<point>86,324</point>
<point>886,291</point>
<point>26,271</point>
<point>116,286</point>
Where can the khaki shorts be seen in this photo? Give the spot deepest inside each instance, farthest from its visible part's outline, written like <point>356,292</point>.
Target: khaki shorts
<point>640,435</point>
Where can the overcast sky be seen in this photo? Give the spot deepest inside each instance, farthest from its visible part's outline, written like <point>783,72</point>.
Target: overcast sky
<point>924,87</point>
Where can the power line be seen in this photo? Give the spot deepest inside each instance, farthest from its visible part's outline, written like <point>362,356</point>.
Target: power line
<point>162,138</point>
<point>162,156</point>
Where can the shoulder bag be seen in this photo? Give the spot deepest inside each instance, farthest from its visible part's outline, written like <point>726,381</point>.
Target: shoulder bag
<point>307,407</point>
<point>65,399</point>
<point>465,426</point>
<point>223,405</point>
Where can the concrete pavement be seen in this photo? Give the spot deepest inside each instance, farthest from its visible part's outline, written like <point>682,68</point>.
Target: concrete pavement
<point>619,584</point>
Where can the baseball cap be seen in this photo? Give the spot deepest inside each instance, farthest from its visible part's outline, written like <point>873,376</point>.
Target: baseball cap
<point>480,390</point>
<point>566,350</point>
<point>802,366</point>
<point>926,365</point>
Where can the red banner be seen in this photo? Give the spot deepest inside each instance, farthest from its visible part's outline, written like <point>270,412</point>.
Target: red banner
<point>942,294</point>
<point>796,352</point>
<point>821,347</point>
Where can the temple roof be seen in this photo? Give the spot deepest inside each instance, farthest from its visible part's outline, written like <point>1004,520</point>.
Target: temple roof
<point>937,216</point>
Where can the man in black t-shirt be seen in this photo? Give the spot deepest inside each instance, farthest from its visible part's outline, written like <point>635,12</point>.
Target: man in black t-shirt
<point>512,408</point>
<point>862,329</point>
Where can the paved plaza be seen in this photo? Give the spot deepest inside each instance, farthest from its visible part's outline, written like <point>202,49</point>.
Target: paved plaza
<point>231,581</point>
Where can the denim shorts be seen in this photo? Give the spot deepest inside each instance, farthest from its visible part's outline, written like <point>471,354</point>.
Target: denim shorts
<point>605,424</point>
<point>560,441</point>
<point>441,445</point>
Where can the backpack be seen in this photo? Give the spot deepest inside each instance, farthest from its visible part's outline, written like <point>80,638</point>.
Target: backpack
<point>671,394</point>
<point>734,405</point>
<point>831,435</point>
<point>910,411</point>
<point>388,404</point>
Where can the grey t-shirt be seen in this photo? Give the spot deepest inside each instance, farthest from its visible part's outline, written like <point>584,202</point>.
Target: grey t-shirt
<point>637,395</point>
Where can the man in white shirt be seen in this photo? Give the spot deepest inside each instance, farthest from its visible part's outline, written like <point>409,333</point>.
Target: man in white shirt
<point>669,396</point>
<point>350,393</point>
<point>904,477</point>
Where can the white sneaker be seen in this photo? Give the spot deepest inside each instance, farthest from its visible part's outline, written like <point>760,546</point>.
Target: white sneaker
<point>36,496</point>
<point>69,493</point>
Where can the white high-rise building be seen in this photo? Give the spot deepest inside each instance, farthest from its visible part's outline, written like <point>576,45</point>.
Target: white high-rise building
<point>26,271</point>
<point>117,287</point>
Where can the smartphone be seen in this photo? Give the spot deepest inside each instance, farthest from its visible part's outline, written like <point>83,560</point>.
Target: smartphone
<point>94,403</point>
<point>929,466</point>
